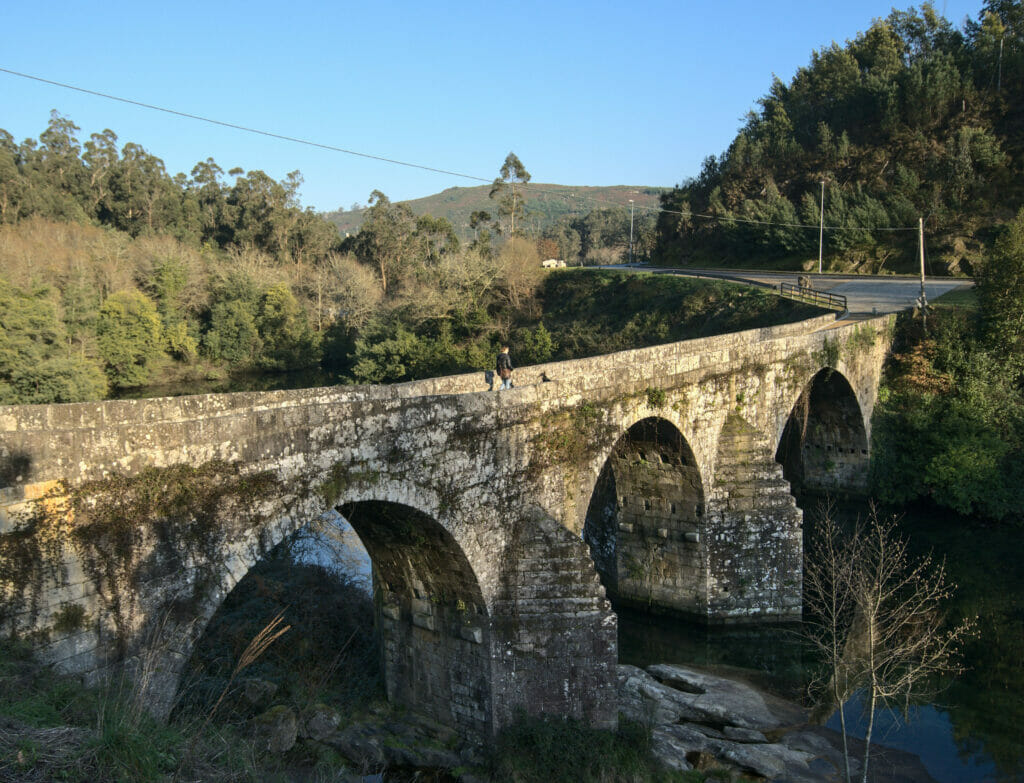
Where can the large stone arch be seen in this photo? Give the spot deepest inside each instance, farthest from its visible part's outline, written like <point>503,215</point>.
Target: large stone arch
<point>432,616</point>
<point>823,445</point>
<point>644,519</point>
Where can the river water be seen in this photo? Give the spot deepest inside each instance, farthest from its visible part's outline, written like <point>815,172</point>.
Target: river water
<point>972,729</point>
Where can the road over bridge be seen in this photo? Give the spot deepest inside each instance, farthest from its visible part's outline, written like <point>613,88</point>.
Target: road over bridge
<point>865,294</point>
<point>497,522</point>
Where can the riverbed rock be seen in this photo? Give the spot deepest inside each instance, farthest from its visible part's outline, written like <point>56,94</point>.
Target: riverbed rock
<point>711,699</point>
<point>254,693</point>
<point>413,742</point>
<point>318,721</point>
<point>276,729</point>
<point>702,721</point>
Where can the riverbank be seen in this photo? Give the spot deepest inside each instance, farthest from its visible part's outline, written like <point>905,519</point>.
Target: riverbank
<point>679,725</point>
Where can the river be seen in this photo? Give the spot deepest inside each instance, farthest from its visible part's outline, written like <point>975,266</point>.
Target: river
<point>972,729</point>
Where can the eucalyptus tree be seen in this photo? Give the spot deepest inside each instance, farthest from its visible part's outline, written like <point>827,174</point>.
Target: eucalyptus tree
<point>507,191</point>
<point>386,241</point>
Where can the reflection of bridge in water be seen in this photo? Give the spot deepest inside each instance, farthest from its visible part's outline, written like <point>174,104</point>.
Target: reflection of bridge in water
<point>673,463</point>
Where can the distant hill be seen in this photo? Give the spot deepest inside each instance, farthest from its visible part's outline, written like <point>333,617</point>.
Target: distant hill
<point>545,204</point>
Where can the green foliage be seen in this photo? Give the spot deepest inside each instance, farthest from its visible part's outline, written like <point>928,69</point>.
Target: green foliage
<point>288,342</point>
<point>828,354</point>
<point>909,118</point>
<point>103,735</point>
<point>34,365</point>
<point>535,346</point>
<point>595,312</point>
<point>549,749</point>
<point>233,335</point>
<point>1000,285</point>
<point>655,397</point>
<point>129,336</point>
<point>389,351</point>
<point>949,424</point>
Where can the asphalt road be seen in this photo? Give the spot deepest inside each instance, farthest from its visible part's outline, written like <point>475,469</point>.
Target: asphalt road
<point>865,294</point>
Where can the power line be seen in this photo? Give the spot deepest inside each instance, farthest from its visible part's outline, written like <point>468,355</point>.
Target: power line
<point>421,167</point>
<point>247,129</point>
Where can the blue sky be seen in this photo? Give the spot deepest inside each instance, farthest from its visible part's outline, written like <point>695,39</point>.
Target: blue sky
<point>585,93</point>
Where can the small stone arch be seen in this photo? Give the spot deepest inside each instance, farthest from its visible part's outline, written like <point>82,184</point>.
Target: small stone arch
<point>823,446</point>
<point>644,518</point>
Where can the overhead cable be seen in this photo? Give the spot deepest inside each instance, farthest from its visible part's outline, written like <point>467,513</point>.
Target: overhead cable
<point>383,159</point>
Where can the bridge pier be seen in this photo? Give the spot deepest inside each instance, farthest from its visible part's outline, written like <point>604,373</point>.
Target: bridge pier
<point>754,535</point>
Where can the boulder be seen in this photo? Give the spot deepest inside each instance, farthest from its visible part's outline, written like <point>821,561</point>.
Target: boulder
<point>319,721</point>
<point>701,721</point>
<point>716,700</point>
<point>276,729</point>
<point>254,692</point>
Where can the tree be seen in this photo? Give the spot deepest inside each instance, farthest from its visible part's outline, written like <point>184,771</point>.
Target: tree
<point>33,367</point>
<point>288,342</point>
<point>385,240</point>
<point>479,221</point>
<point>520,270</point>
<point>877,619</point>
<point>506,191</point>
<point>130,337</point>
<point>1001,292</point>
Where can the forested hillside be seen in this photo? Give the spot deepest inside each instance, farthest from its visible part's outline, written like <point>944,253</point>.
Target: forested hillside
<point>115,276</point>
<point>913,118</point>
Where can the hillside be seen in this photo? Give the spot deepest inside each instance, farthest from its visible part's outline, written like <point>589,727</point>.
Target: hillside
<point>911,119</point>
<point>545,205</point>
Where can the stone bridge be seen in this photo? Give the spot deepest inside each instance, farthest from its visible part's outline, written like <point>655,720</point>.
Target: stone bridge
<point>496,521</point>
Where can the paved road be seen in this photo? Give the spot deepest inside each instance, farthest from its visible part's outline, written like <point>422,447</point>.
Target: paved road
<point>865,294</point>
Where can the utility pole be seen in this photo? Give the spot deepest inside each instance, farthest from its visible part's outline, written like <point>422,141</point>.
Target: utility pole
<point>631,231</point>
<point>922,300</point>
<point>821,226</point>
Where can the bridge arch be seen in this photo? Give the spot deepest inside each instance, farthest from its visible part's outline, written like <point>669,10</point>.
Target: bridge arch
<point>644,517</point>
<point>432,620</point>
<point>823,445</point>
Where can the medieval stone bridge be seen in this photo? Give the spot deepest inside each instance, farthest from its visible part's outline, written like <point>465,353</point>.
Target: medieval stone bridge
<point>496,521</point>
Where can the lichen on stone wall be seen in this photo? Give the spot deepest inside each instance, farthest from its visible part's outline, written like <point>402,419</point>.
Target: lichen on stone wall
<point>571,436</point>
<point>125,529</point>
<point>31,554</point>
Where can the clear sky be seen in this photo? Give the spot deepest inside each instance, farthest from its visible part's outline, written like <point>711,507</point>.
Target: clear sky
<point>585,93</point>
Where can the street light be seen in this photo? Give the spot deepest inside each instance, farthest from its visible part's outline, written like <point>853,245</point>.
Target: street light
<point>631,231</point>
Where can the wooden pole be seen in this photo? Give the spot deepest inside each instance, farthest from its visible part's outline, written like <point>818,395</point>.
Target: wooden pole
<point>922,301</point>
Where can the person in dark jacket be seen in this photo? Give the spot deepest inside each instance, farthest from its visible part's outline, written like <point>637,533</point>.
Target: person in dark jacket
<point>504,368</point>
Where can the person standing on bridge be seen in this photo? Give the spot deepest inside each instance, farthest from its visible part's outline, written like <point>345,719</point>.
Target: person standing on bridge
<point>504,368</point>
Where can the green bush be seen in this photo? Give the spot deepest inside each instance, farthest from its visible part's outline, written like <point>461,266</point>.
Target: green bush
<point>130,337</point>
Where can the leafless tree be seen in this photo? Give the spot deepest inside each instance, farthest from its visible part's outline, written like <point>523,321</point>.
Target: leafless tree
<point>877,619</point>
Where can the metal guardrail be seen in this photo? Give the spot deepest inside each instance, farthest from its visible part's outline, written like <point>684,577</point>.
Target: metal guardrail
<point>813,296</point>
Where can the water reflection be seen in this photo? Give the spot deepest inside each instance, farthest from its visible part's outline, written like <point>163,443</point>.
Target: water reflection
<point>972,730</point>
